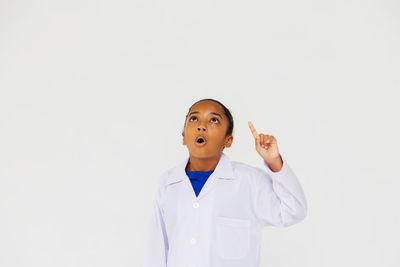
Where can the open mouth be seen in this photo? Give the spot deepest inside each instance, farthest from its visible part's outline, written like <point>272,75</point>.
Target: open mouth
<point>200,141</point>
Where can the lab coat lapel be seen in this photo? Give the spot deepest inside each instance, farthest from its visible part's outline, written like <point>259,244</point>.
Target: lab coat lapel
<point>223,170</point>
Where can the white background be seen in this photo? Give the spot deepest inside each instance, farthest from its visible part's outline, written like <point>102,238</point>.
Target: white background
<point>93,97</point>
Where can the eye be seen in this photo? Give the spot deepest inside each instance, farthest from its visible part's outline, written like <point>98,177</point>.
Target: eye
<point>215,119</point>
<point>192,118</point>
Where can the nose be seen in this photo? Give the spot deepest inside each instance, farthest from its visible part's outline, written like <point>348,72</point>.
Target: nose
<point>201,128</point>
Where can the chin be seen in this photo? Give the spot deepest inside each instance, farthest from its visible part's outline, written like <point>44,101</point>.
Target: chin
<point>202,153</point>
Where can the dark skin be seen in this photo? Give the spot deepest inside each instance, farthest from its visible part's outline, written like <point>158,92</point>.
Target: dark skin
<point>207,118</point>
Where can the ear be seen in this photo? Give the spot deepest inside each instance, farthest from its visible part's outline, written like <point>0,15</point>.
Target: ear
<point>228,141</point>
<point>183,139</point>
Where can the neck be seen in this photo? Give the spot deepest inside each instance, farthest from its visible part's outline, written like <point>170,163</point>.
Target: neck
<point>202,164</point>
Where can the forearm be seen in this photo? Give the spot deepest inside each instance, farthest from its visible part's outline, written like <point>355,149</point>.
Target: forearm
<point>275,164</point>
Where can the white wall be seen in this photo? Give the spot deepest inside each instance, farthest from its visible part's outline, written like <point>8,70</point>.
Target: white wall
<point>93,97</point>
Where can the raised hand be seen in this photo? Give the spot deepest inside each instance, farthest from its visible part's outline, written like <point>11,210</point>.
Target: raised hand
<point>267,148</point>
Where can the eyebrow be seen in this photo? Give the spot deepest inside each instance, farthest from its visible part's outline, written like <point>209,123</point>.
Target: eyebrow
<point>215,113</point>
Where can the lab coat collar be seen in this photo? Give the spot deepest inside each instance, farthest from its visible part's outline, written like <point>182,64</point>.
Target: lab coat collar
<point>223,170</point>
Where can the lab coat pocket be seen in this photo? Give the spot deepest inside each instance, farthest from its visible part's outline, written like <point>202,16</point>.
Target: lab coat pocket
<point>232,237</point>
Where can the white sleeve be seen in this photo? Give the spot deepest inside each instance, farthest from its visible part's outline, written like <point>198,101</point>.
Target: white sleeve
<point>157,245</point>
<point>279,199</point>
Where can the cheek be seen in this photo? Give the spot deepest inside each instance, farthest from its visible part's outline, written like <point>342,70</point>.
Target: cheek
<point>218,138</point>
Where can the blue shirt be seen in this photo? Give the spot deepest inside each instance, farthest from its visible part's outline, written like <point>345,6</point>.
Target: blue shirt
<point>198,179</point>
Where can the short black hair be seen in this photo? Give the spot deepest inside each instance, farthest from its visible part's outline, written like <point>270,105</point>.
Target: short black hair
<point>227,113</point>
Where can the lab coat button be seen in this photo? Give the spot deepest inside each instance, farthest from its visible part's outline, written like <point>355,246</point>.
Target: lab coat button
<point>193,241</point>
<point>196,205</point>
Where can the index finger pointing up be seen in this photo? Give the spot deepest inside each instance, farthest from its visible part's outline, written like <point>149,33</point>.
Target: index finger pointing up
<point>253,130</point>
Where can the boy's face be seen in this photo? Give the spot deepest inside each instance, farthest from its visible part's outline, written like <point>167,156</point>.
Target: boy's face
<point>206,118</point>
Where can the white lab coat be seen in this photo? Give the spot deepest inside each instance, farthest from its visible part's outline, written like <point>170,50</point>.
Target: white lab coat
<point>221,227</point>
